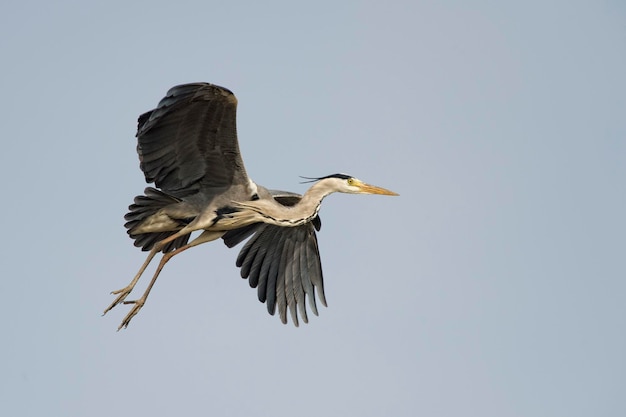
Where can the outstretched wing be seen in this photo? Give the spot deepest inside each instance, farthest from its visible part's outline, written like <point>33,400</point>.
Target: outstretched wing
<point>189,141</point>
<point>283,263</point>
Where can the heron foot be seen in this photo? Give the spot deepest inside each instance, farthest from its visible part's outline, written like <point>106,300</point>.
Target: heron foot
<point>133,311</point>
<point>123,293</point>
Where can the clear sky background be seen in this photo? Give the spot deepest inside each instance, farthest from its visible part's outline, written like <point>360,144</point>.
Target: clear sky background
<point>493,286</point>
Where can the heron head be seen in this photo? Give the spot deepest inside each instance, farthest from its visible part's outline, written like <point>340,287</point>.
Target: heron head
<point>347,184</point>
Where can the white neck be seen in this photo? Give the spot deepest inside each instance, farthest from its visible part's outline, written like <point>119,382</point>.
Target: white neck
<point>272,212</point>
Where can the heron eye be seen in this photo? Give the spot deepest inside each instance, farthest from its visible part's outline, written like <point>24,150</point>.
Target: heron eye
<point>350,181</point>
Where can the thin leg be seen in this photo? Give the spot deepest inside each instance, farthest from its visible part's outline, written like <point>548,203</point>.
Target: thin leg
<point>123,292</point>
<point>206,236</point>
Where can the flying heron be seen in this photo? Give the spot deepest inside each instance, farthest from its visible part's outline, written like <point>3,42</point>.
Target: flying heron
<point>188,148</point>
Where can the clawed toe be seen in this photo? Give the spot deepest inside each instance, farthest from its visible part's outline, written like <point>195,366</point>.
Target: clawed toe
<point>137,305</point>
<point>123,293</point>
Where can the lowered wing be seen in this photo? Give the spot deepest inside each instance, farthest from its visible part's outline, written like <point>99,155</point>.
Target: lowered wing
<point>283,263</point>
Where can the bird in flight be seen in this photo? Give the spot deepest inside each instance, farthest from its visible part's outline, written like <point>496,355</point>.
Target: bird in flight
<point>188,148</point>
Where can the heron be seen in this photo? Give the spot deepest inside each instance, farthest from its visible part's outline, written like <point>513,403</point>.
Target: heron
<point>188,148</point>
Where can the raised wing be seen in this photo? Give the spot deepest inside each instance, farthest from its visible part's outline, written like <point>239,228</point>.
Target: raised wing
<point>283,263</point>
<point>189,141</point>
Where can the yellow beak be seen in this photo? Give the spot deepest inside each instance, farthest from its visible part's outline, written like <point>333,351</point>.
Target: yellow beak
<point>372,189</point>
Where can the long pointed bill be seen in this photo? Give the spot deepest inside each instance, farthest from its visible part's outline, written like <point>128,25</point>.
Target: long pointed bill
<point>372,189</point>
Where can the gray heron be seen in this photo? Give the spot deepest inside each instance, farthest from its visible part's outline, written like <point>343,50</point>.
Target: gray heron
<point>188,148</point>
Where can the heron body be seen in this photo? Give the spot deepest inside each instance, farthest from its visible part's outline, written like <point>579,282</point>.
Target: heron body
<point>188,148</point>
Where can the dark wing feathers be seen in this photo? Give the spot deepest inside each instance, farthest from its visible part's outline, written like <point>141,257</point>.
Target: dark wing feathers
<point>190,140</point>
<point>305,279</point>
<point>283,263</point>
<point>235,237</point>
<point>145,206</point>
<point>298,276</point>
<point>188,144</point>
<point>270,292</point>
<point>314,267</point>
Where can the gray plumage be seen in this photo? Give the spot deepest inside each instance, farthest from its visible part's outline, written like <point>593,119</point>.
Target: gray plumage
<point>302,273</point>
<point>188,148</point>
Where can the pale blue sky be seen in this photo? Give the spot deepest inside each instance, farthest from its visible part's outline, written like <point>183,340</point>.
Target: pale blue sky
<point>493,286</point>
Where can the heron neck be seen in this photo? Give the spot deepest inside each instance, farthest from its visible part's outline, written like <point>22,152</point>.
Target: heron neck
<point>307,208</point>
<point>269,211</point>
<point>313,196</point>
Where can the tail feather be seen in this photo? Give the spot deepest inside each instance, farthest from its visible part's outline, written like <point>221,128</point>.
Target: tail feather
<point>145,206</point>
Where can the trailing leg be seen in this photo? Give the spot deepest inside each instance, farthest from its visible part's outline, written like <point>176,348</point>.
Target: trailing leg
<point>123,292</point>
<point>206,236</point>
